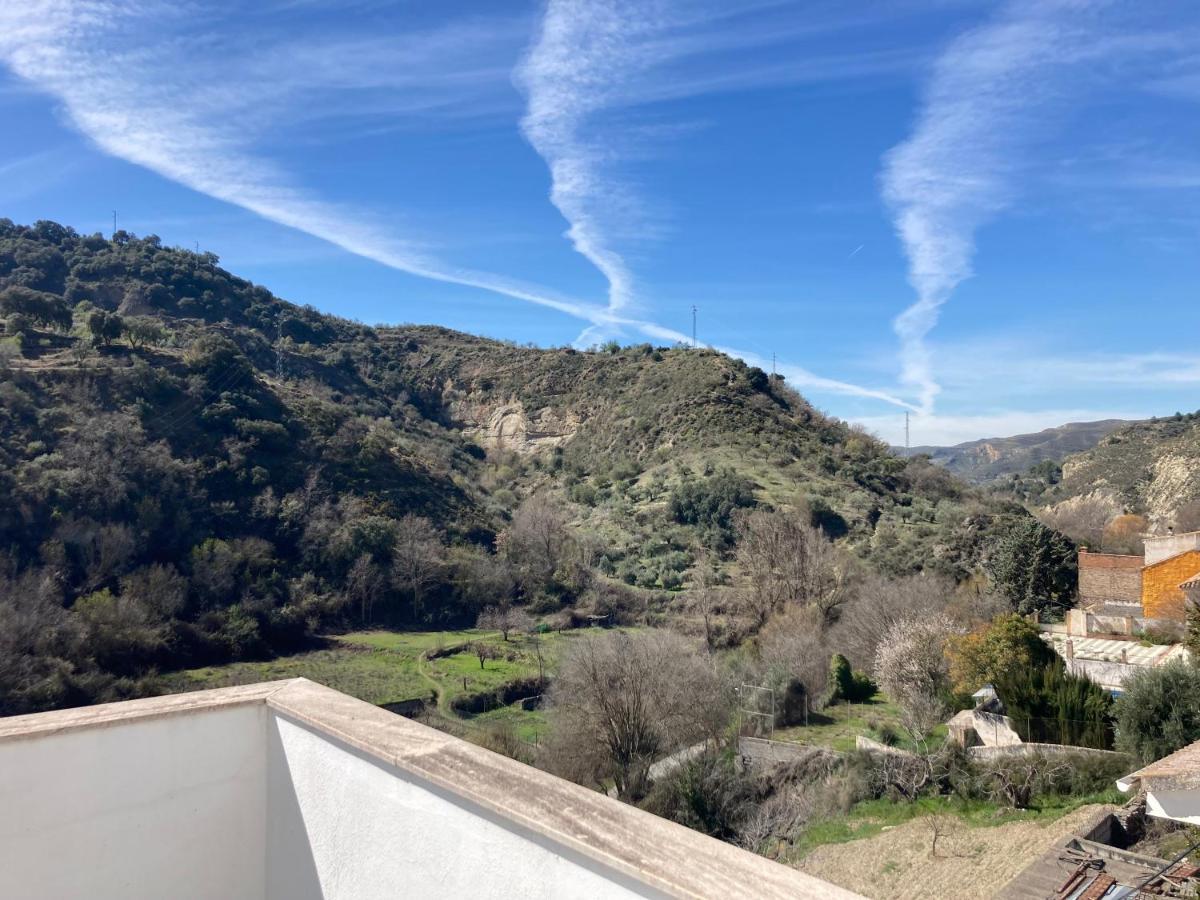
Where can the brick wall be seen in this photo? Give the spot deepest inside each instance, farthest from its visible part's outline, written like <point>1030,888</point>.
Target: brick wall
<point>1110,577</point>
<point>1162,597</point>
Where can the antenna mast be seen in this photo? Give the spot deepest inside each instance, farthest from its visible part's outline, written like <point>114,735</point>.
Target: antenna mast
<point>114,224</point>
<point>693,326</point>
<point>906,432</point>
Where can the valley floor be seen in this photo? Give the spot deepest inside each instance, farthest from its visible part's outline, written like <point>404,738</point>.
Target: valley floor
<point>439,668</point>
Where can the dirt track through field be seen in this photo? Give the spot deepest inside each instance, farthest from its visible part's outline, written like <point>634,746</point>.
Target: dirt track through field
<point>970,862</point>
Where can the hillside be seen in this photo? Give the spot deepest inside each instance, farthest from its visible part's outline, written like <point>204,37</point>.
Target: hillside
<point>193,470</point>
<point>990,459</point>
<point>1151,468</point>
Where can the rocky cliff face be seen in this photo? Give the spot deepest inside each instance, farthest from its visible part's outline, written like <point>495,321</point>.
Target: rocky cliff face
<point>509,426</point>
<point>1152,468</point>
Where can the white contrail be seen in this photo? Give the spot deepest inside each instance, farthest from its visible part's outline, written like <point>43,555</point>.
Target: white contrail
<point>584,53</point>
<point>988,98</point>
<point>139,116</point>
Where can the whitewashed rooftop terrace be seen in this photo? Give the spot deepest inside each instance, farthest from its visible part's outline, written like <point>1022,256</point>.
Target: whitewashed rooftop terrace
<point>291,790</point>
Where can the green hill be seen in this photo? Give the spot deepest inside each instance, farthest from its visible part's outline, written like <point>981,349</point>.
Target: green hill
<point>193,470</point>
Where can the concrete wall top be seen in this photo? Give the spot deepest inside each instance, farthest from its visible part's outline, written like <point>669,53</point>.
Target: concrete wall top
<point>649,856</point>
<point>1160,547</point>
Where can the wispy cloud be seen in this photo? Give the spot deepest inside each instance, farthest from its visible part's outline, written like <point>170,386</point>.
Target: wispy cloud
<point>585,53</point>
<point>955,170</point>
<point>146,84</point>
<point>596,57</point>
<point>133,94</point>
<point>994,93</point>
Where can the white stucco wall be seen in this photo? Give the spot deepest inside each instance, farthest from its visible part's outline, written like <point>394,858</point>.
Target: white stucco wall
<point>1160,547</point>
<point>346,826</point>
<point>171,807</point>
<point>1180,805</point>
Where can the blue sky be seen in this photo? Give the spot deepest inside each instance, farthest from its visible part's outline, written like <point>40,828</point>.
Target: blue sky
<point>985,213</point>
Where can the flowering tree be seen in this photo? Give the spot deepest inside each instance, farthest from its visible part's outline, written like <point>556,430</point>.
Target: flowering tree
<point>910,666</point>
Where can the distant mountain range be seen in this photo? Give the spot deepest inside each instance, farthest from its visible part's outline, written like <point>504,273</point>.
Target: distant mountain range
<point>988,459</point>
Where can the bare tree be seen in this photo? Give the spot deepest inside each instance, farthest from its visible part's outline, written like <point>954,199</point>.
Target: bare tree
<point>483,652</point>
<point>417,558</point>
<point>793,652</point>
<point>537,542</point>
<point>364,583</point>
<point>1187,517</point>
<point>539,653</point>
<point>784,560</point>
<point>1124,534</point>
<point>708,600</point>
<point>504,618</point>
<point>482,579</point>
<point>877,604</point>
<point>620,701</point>
<point>1082,519</point>
<point>160,588</point>
<point>1015,780</point>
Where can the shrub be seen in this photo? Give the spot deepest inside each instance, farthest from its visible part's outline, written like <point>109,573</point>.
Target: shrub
<point>1008,646</point>
<point>711,502</point>
<point>706,794</point>
<point>1048,704</point>
<point>1159,711</point>
<point>847,685</point>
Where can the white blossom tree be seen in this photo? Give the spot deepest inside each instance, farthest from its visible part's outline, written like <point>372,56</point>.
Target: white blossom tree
<point>910,666</point>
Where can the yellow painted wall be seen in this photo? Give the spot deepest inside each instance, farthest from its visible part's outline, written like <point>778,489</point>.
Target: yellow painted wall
<point>1161,596</point>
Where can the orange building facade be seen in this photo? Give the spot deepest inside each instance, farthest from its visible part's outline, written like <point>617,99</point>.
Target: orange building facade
<point>1155,581</point>
<point>1162,591</point>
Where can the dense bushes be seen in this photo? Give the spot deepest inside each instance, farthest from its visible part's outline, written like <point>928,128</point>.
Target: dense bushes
<point>1033,567</point>
<point>1158,711</point>
<point>1007,647</point>
<point>846,685</point>
<point>712,502</point>
<point>1047,704</point>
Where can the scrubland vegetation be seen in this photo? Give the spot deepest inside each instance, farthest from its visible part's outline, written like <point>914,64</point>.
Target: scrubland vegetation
<point>201,484</point>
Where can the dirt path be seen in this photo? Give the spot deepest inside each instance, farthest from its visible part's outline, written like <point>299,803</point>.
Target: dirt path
<point>970,862</point>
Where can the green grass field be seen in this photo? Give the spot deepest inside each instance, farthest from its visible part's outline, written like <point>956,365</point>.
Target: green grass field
<point>837,726</point>
<point>383,667</point>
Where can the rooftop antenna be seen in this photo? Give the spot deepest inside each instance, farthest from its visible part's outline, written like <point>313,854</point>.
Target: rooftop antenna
<point>693,326</point>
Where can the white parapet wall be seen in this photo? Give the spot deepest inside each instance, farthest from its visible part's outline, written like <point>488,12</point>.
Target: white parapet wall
<point>291,790</point>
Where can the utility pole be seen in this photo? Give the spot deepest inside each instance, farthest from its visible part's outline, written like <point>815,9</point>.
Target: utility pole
<point>693,326</point>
